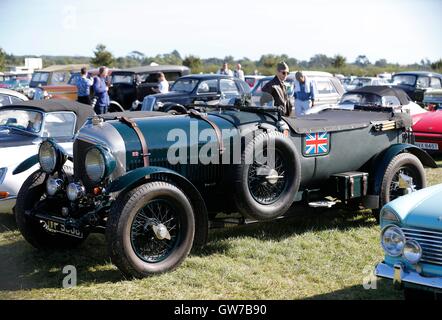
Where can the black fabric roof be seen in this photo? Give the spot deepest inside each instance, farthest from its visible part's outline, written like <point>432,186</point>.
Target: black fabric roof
<point>83,111</point>
<point>160,68</point>
<point>339,120</point>
<point>384,91</point>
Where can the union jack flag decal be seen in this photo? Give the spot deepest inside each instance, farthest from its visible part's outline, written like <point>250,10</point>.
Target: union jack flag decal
<point>316,144</point>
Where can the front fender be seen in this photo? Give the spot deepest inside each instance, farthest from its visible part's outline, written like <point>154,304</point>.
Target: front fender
<point>144,174</point>
<point>382,161</point>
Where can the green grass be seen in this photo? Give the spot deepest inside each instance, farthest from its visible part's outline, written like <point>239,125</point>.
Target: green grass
<point>310,256</point>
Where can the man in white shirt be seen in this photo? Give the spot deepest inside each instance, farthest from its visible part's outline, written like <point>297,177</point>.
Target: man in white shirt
<point>239,73</point>
<point>225,70</point>
<point>163,84</point>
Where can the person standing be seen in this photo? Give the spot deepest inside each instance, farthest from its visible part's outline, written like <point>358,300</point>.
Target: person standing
<point>239,73</point>
<point>84,85</point>
<point>278,90</point>
<point>101,91</point>
<point>225,70</point>
<point>304,94</point>
<point>163,84</point>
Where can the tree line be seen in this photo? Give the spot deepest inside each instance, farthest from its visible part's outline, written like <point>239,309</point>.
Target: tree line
<point>362,66</point>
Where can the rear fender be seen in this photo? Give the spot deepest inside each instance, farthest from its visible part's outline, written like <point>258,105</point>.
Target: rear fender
<point>142,175</point>
<point>382,160</point>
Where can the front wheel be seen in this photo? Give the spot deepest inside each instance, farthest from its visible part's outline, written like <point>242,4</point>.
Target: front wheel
<point>150,229</point>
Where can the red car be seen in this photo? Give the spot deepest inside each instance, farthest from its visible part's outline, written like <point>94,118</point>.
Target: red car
<point>428,131</point>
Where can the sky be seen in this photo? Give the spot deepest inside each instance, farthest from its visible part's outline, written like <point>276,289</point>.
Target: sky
<point>403,31</point>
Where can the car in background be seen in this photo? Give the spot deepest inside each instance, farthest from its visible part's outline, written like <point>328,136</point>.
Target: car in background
<point>68,91</point>
<point>8,97</point>
<point>376,96</point>
<point>360,82</point>
<point>415,83</point>
<point>252,80</point>
<point>328,89</point>
<point>53,75</point>
<point>23,125</point>
<point>427,129</point>
<point>411,237</point>
<point>196,89</point>
<point>433,99</point>
<point>130,86</point>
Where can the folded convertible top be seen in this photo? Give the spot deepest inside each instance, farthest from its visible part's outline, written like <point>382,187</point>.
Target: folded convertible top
<point>338,120</point>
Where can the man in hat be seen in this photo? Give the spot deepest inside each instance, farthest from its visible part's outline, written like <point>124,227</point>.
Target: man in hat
<point>304,94</point>
<point>277,89</point>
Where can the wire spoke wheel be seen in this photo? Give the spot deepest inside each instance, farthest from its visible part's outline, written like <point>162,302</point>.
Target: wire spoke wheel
<point>155,230</point>
<point>267,183</point>
<point>406,171</point>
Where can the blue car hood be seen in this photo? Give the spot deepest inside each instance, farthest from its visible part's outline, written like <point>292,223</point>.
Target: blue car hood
<point>421,209</point>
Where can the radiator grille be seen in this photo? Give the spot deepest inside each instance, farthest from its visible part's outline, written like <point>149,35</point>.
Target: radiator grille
<point>430,241</point>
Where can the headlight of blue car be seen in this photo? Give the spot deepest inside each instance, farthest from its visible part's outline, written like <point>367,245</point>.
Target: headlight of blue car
<point>51,156</point>
<point>392,240</point>
<point>99,163</point>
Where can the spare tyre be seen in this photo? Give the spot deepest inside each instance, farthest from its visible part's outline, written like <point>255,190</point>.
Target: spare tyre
<point>268,177</point>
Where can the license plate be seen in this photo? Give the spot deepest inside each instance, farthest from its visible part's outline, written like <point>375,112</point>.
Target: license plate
<point>57,227</point>
<point>428,146</point>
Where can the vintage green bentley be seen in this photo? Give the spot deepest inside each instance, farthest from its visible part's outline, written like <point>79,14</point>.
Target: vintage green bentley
<point>154,183</point>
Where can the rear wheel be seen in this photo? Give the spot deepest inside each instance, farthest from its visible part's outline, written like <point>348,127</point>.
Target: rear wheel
<point>403,168</point>
<point>150,229</point>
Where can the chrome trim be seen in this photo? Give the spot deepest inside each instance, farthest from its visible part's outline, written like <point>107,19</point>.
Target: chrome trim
<point>9,198</point>
<point>430,242</point>
<point>398,273</point>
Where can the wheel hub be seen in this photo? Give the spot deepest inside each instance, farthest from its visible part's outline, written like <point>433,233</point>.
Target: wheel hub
<point>273,176</point>
<point>161,231</point>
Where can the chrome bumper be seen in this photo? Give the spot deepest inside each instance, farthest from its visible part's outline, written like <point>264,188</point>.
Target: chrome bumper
<point>400,276</point>
<point>7,204</point>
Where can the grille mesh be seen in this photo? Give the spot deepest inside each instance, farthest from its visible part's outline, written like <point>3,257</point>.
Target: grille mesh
<point>430,241</point>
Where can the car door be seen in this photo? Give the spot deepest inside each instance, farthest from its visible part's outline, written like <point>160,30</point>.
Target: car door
<point>325,92</point>
<point>207,90</point>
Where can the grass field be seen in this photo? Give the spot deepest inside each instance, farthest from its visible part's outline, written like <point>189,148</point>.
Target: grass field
<point>310,256</point>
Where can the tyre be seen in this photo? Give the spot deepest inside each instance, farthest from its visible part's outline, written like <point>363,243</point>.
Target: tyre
<point>150,229</point>
<point>406,164</point>
<point>266,190</point>
<point>31,192</point>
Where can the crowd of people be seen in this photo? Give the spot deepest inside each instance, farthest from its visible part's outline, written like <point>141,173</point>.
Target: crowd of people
<point>303,90</point>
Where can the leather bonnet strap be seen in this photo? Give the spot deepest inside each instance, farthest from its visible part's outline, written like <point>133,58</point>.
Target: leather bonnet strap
<point>131,123</point>
<point>194,113</point>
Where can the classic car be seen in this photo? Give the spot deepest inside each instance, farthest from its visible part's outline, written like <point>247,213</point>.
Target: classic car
<point>427,129</point>
<point>381,96</point>
<point>52,75</point>
<point>360,82</point>
<point>8,97</point>
<point>129,86</point>
<point>152,181</point>
<point>415,83</point>
<point>67,91</point>
<point>433,99</point>
<point>23,125</point>
<point>252,80</point>
<point>411,237</point>
<point>328,89</point>
<point>189,90</point>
